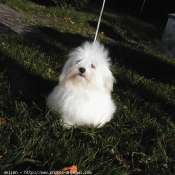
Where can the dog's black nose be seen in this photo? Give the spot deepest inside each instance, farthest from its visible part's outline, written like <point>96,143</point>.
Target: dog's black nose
<point>82,70</point>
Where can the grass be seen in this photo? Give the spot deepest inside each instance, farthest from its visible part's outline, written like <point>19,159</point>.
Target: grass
<point>140,137</point>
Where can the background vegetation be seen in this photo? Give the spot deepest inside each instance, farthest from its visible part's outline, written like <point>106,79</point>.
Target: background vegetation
<point>140,137</point>
<point>155,12</point>
<point>73,3</point>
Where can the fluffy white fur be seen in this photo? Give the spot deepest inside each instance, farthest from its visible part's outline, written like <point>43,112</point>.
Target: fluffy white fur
<point>83,94</point>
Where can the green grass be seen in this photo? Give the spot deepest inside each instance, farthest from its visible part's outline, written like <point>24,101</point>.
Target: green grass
<point>140,137</point>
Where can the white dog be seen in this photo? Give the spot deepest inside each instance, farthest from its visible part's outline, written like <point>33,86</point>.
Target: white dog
<point>83,94</point>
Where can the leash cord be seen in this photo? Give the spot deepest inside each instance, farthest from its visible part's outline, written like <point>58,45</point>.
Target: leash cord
<point>99,20</point>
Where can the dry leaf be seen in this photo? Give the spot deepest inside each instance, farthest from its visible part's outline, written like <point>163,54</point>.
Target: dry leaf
<point>35,162</point>
<point>168,139</point>
<point>138,170</point>
<point>2,121</point>
<point>71,170</point>
<point>120,159</point>
<point>27,153</point>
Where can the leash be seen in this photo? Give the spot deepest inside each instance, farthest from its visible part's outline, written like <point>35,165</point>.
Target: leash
<point>99,20</point>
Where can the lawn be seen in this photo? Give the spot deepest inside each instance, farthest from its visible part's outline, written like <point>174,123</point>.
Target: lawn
<point>140,139</point>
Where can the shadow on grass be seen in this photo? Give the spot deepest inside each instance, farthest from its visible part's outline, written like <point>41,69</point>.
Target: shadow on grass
<point>144,64</point>
<point>124,28</point>
<point>4,28</point>
<point>31,87</point>
<point>47,3</point>
<point>24,85</point>
<point>107,30</point>
<point>147,66</point>
<point>68,40</point>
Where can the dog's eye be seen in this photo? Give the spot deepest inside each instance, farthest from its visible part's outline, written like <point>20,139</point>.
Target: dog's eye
<point>92,66</point>
<point>78,61</point>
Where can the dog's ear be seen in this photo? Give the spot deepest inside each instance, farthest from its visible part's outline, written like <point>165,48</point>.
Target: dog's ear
<point>109,80</point>
<point>64,70</point>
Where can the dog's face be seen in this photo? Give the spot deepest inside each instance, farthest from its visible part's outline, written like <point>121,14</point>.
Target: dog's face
<point>88,66</point>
